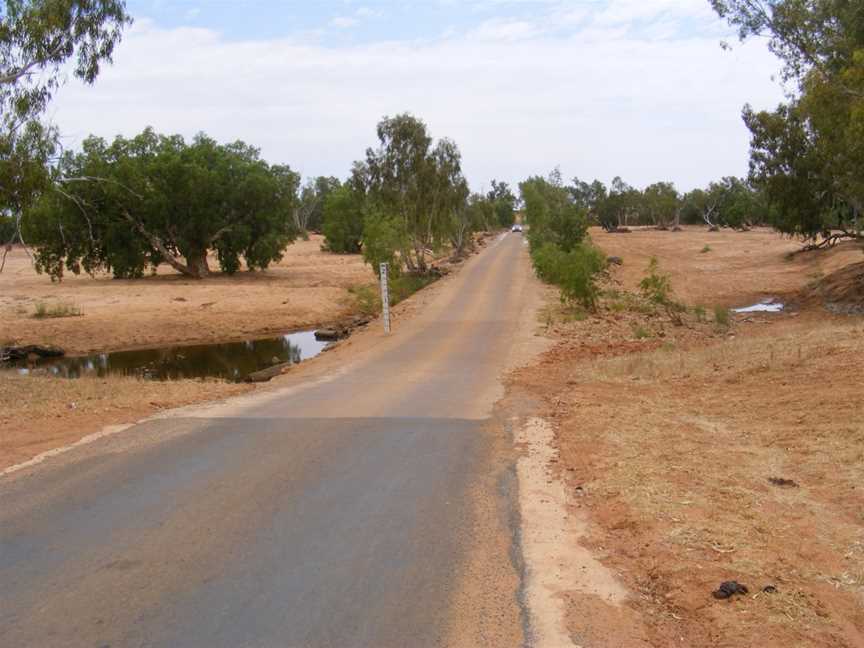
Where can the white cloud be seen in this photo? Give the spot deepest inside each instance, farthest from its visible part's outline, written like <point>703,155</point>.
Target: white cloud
<point>625,11</point>
<point>366,12</point>
<point>343,22</point>
<point>599,103</point>
<point>497,29</point>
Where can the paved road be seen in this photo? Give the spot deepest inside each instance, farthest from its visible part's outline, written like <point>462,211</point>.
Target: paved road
<point>327,514</point>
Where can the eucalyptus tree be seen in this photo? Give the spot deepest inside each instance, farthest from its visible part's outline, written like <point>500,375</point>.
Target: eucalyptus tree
<point>481,212</point>
<point>504,203</point>
<point>588,196</point>
<point>662,203</point>
<point>418,187</point>
<point>703,205</point>
<point>42,42</point>
<point>729,202</point>
<point>344,209</point>
<point>806,155</point>
<point>552,215</point>
<point>134,203</point>
<point>309,212</point>
<point>615,208</point>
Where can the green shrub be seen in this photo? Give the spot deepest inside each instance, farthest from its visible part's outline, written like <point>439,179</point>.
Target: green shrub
<point>656,287</point>
<point>367,299</point>
<point>405,285</point>
<point>641,333</point>
<point>368,296</point>
<point>381,240</point>
<point>548,262</point>
<point>579,284</point>
<point>7,229</point>
<point>343,221</point>
<point>705,249</point>
<point>722,317</point>
<point>574,272</point>
<point>699,313</point>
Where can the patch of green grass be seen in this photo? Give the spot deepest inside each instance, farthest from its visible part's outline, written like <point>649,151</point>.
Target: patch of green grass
<point>705,249</point>
<point>700,313</point>
<point>722,317</point>
<point>562,313</point>
<point>622,301</point>
<point>404,286</point>
<point>366,298</point>
<point>44,310</point>
<point>641,333</point>
<point>574,313</point>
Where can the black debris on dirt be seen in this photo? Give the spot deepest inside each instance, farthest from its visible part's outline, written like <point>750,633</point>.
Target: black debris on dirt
<point>786,483</point>
<point>728,589</point>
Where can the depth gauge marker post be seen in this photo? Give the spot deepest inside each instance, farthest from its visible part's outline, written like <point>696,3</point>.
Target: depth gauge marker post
<point>385,297</point>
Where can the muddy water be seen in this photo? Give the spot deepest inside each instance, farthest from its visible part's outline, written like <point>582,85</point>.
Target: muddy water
<point>228,361</point>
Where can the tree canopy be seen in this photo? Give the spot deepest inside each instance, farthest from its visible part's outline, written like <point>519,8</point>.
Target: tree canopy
<point>309,212</point>
<point>343,219</point>
<point>41,41</point>
<point>551,213</point>
<point>503,203</point>
<point>806,155</point>
<point>137,202</point>
<point>417,186</point>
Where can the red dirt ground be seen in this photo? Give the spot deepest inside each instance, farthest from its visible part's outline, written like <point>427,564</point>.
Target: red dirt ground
<point>668,440</point>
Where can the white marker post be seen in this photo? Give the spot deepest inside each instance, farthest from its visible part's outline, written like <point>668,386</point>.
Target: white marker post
<point>385,297</point>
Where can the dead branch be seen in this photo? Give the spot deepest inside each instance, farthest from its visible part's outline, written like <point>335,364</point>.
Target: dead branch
<point>828,242</point>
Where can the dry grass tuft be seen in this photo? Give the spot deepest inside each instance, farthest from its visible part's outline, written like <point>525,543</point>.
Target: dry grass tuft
<point>732,354</point>
<point>43,310</point>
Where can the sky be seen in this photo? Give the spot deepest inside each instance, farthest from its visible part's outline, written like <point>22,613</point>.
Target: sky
<point>599,88</point>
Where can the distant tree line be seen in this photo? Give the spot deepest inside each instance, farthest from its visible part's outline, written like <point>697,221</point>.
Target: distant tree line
<point>128,205</point>
<point>730,202</point>
<point>559,215</point>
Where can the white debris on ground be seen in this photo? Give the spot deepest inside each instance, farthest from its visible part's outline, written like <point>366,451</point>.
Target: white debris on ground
<point>765,306</point>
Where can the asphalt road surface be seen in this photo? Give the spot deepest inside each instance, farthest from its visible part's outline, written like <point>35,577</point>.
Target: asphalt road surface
<point>328,513</point>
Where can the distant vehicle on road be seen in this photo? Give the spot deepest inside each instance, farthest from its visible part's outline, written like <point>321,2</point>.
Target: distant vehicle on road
<point>516,228</point>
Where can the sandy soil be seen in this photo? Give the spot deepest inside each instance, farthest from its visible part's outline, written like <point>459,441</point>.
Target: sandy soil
<point>668,443</point>
<point>39,413</point>
<point>740,268</point>
<point>307,288</point>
